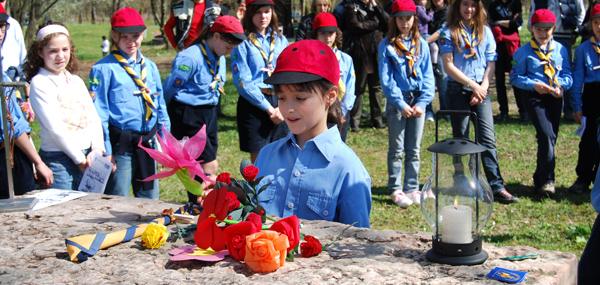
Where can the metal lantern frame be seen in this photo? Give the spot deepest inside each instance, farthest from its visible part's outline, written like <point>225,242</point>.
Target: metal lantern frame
<point>454,253</point>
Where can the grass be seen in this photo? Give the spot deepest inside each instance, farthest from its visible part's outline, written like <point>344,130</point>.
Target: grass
<point>561,222</point>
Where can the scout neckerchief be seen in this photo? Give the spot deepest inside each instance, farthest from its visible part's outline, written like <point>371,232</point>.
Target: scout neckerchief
<point>140,81</point>
<point>409,54</point>
<point>544,57</point>
<point>268,59</point>
<point>216,83</point>
<point>341,85</point>
<point>469,44</point>
<point>596,48</point>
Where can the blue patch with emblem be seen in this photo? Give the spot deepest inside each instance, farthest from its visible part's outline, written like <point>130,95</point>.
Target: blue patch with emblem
<point>178,81</point>
<point>235,69</point>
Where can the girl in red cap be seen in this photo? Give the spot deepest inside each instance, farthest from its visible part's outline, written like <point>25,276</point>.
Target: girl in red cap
<point>259,121</point>
<point>468,53</point>
<point>325,29</point>
<point>195,85</point>
<point>541,68</point>
<point>407,81</point>
<point>311,173</point>
<point>129,99</point>
<point>70,126</point>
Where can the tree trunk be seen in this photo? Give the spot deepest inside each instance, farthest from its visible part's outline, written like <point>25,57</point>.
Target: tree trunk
<point>33,23</point>
<point>93,12</point>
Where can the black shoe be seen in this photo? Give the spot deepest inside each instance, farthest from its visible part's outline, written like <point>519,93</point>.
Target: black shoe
<point>379,125</point>
<point>569,117</point>
<point>354,129</point>
<point>365,116</point>
<point>524,117</point>
<point>579,187</point>
<point>502,117</point>
<point>505,198</point>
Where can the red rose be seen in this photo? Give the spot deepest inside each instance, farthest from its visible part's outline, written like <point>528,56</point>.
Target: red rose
<point>224,177</point>
<point>235,235</point>
<point>290,227</point>
<point>250,172</point>
<point>311,247</point>
<point>233,201</point>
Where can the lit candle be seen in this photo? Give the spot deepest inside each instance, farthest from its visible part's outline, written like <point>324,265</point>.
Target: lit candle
<point>456,224</point>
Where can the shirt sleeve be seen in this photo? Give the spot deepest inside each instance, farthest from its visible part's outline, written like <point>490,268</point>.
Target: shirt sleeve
<point>565,76</point>
<point>427,80</point>
<point>490,50</point>
<point>355,203</point>
<point>386,73</point>
<point>178,76</point>
<point>518,74</point>
<point>95,126</point>
<point>350,83</point>
<point>100,85</point>
<point>445,40</point>
<point>223,69</point>
<point>169,25</point>
<point>161,109</point>
<point>242,77</point>
<point>578,78</point>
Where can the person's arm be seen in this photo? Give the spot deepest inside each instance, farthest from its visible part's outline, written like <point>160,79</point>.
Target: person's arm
<point>565,76</point>
<point>242,77</point>
<point>389,86</point>
<point>348,101</point>
<point>303,28</point>
<point>355,197</point>
<point>428,80</point>
<point>353,25</point>
<point>578,81</point>
<point>423,16</point>
<point>169,25</point>
<point>433,37</point>
<point>163,121</point>
<point>45,176</point>
<point>178,76</point>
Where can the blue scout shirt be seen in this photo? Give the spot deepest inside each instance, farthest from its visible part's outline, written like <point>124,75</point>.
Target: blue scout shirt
<point>527,70</point>
<point>393,71</point>
<point>323,181</point>
<point>586,58</point>
<point>472,68</point>
<point>246,64</point>
<point>190,78</point>
<point>20,123</point>
<point>349,78</point>
<point>113,88</point>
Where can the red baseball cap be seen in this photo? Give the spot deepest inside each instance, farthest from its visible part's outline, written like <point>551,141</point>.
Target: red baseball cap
<point>259,2</point>
<point>325,22</point>
<point>229,25</point>
<point>305,61</point>
<point>401,8</point>
<point>3,14</point>
<point>595,11</point>
<point>543,18</point>
<point>127,20</point>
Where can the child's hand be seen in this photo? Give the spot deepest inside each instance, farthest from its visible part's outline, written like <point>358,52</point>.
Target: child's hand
<point>44,175</point>
<point>577,116</point>
<point>407,112</point>
<point>276,116</point>
<point>542,88</point>
<point>479,93</point>
<point>417,111</point>
<point>557,92</point>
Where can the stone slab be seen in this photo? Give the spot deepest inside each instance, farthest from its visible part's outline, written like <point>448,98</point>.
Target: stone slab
<point>32,251</point>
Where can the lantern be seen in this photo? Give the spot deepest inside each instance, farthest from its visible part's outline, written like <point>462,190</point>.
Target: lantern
<point>456,201</point>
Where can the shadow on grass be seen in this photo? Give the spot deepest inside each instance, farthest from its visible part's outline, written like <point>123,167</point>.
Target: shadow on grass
<point>561,194</point>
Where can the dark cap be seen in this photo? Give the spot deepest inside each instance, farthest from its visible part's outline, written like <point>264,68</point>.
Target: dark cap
<point>127,20</point>
<point>259,2</point>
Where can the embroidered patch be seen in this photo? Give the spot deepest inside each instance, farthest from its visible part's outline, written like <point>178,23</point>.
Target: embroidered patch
<point>558,67</point>
<point>443,41</point>
<point>93,81</point>
<point>241,85</point>
<point>184,67</point>
<point>574,58</point>
<point>93,95</point>
<point>514,62</point>
<point>238,78</point>
<point>235,69</point>
<point>233,57</point>
<point>178,81</point>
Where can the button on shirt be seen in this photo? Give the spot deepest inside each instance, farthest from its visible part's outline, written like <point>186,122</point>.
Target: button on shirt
<point>586,58</point>
<point>246,64</point>
<point>527,70</point>
<point>20,123</point>
<point>472,68</point>
<point>323,181</point>
<point>393,71</point>
<point>190,78</point>
<point>115,102</point>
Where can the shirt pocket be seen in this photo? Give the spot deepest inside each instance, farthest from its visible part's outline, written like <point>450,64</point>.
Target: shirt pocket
<point>267,195</point>
<point>322,206</point>
<point>120,94</point>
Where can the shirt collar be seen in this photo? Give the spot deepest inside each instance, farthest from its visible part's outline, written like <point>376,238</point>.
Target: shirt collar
<point>327,142</point>
<point>129,60</point>
<point>259,35</point>
<point>53,76</point>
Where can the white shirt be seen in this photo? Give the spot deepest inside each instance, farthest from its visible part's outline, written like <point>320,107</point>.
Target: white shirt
<point>13,49</point>
<point>66,114</point>
<point>105,45</point>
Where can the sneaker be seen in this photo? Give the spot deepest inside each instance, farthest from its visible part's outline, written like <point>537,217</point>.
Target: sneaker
<point>502,117</point>
<point>546,189</point>
<point>429,116</point>
<point>505,198</point>
<point>401,199</point>
<point>579,187</point>
<point>415,197</point>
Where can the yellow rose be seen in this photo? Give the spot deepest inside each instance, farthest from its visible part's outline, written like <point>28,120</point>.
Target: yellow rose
<point>266,250</point>
<point>154,236</point>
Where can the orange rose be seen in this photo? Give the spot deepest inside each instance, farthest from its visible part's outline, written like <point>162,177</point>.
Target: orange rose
<point>266,250</point>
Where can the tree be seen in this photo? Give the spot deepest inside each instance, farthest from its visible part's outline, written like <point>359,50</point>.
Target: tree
<point>37,10</point>
<point>160,10</point>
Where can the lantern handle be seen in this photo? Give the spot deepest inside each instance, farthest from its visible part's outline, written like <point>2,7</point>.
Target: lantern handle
<point>472,115</point>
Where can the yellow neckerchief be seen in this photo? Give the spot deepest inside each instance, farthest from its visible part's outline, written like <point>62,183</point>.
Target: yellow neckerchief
<point>216,84</point>
<point>595,46</point>
<point>469,44</point>
<point>341,85</point>
<point>140,81</point>
<point>545,60</point>
<point>268,59</point>
<point>409,55</point>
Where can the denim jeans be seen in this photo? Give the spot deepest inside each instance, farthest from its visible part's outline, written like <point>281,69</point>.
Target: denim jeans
<point>127,176</point>
<point>404,139</point>
<point>458,98</point>
<point>544,113</point>
<point>67,175</point>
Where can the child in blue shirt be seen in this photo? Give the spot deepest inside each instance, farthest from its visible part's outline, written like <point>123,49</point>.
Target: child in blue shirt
<point>258,118</point>
<point>407,81</point>
<point>542,69</point>
<point>130,106</point>
<point>193,88</point>
<point>586,103</point>
<point>312,173</point>
<point>325,29</point>
<point>468,53</point>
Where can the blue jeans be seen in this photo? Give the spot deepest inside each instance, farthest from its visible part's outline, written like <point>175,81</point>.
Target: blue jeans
<point>404,139</point>
<point>566,41</point>
<point>126,176</point>
<point>544,113</point>
<point>67,175</point>
<point>458,99</point>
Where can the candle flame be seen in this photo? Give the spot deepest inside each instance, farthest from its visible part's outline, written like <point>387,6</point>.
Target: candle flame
<point>456,201</point>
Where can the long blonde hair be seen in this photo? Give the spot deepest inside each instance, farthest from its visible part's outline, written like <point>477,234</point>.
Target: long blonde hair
<point>394,34</point>
<point>479,21</point>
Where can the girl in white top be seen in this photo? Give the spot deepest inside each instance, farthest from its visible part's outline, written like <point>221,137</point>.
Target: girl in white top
<point>70,126</point>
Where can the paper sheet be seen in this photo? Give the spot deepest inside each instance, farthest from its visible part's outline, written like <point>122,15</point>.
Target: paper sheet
<point>95,177</point>
<point>51,197</point>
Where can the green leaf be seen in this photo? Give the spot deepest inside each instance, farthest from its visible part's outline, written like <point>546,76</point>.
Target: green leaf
<point>290,256</point>
<point>236,214</point>
<point>190,184</point>
<point>263,188</point>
